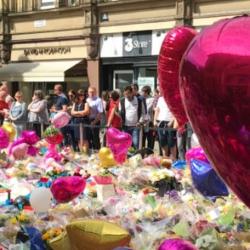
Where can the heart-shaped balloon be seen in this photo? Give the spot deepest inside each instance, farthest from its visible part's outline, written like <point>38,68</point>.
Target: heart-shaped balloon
<point>119,143</point>
<point>61,119</point>
<point>20,151</point>
<point>215,88</point>
<point>172,50</point>
<point>176,244</point>
<point>65,189</point>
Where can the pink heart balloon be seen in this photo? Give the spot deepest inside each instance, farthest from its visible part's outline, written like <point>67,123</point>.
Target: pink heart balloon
<point>215,87</point>
<point>61,119</point>
<point>176,244</point>
<point>172,50</point>
<point>65,189</point>
<point>20,151</point>
<point>4,139</point>
<point>119,143</point>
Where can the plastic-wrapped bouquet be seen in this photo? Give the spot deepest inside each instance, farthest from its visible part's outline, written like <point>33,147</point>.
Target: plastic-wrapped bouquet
<point>53,135</point>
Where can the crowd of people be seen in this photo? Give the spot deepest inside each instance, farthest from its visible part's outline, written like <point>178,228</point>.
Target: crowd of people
<point>144,115</point>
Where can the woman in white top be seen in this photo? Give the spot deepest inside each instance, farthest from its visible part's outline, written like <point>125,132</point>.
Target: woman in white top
<point>164,120</point>
<point>38,112</point>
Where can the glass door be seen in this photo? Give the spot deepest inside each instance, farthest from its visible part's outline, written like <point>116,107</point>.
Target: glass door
<point>122,78</point>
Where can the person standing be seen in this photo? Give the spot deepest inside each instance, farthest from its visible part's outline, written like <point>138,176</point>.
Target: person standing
<point>164,120</point>
<point>18,113</point>
<point>61,104</point>
<point>72,97</point>
<point>148,133</point>
<point>114,119</point>
<point>80,111</point>
<point>38,113</point>
<point>132,112</point>
<point>95,116</point>
<point>4,107</point>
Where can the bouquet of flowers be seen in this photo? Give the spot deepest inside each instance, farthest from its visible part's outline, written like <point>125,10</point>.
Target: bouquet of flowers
<point>53,135</point>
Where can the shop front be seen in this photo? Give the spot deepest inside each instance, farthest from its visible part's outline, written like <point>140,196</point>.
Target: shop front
<point>130,57</point>
<point>42,65</point>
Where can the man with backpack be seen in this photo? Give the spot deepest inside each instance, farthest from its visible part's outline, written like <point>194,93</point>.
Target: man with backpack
<point>132,112</point>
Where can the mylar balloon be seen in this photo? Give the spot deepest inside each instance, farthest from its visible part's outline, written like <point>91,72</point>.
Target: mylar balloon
<point>96,235</point>
<point>172,50</point>
<point>61,119</point>
<point>196,153</point>
<point>215,88</point>
<point>40,199</point>
<point>65,189</point>
<point>119,143</point>
<point>106,158</point>
<point>4,139</point>
<point>176,244</point>
<point>9,129</point>
<point>206,181</point>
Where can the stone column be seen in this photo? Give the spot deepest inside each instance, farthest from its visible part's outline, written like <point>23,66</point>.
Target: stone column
<point>184,12</point>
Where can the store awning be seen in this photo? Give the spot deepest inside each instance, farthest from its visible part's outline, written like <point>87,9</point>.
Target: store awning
<point>44,71</point>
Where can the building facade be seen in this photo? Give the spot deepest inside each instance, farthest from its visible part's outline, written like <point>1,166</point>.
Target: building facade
<point>106,43</point>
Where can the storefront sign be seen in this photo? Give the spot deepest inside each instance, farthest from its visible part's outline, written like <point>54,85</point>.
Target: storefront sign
<point>137,44</point>
<point>47,51</point>
<point>146,81</point>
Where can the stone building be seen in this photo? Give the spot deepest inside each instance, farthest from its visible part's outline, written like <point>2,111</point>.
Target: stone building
<point>107,43</point>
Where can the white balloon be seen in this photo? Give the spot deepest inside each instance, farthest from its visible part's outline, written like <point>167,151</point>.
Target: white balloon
<point>194,141</point>
<point>40,199</point>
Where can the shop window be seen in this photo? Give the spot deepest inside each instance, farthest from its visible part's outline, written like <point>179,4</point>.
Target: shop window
<point>48,4</point>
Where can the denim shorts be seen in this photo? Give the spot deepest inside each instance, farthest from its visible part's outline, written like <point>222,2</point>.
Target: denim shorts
<point>167,135</point>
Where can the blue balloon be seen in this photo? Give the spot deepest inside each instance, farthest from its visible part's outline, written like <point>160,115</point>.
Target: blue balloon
<point>206,180</point>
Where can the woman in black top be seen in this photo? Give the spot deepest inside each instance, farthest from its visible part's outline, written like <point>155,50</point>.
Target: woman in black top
<point>80,111</point>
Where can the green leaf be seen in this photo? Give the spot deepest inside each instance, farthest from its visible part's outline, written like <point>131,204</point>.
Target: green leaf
<point>181,229</point>
<point>151,201</point>
<point>227,218</point>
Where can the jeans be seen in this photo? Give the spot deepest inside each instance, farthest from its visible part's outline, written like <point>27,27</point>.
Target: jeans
<point>184,142</point>
<point>94,137</point>
<point>135,133</point>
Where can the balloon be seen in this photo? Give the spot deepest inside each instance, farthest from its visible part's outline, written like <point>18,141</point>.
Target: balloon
<point>215,88</point>
<point>205,179</point>
<point>65,189</point>
<point>4,139</point>
<point>9,129</point>
<point>176,244</point>
<point>61,119</point>
<point>40,199</point>
<point>96,234</point>
<point>19,151</point>
<point>52,153</point>
<point>61,242</point>
<point>172,50</point>
<point>119,143</point>
<point>30,137</point>
<point>196,153</point>
<point>106,157</point>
